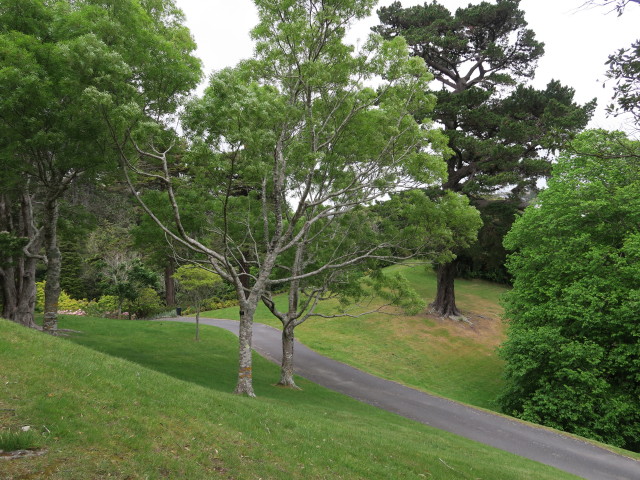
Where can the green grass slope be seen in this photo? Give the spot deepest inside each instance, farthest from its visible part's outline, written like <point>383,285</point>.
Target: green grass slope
<point>457,360</point>
<point>163,410</point>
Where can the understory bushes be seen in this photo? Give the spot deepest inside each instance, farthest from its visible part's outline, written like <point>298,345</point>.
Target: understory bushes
<point>146,304</point>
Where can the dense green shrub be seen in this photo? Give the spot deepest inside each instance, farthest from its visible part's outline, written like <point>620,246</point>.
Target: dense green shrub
<point>104,306</point>
<point>573,355</point>
<point>146,303</point>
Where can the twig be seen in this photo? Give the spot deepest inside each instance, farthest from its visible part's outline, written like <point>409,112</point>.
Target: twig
<point>445,464</point>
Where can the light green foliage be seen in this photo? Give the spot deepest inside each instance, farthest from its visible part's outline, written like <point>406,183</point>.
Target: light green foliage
<point>444,223</point>
<point>195,284</point>
<point>291,147</point>
<point>104,306</point>
<point>337,143</point>
<point>572,351</point>
<point>395,290</point>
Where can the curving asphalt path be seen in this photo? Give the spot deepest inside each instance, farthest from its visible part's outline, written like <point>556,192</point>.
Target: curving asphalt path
<point>536,443</point>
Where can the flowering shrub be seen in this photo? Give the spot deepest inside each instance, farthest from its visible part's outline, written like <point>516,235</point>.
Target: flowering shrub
<point>72,312</point>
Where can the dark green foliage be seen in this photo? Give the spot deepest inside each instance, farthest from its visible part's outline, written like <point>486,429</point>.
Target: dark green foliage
<point>573,356</point>
<point>486,258</point>
<point>10,246</point>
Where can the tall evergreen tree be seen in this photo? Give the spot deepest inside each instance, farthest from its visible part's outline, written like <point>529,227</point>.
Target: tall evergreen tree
<point>500,130</point>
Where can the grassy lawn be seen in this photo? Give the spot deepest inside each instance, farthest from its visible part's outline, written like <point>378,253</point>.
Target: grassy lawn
<point>452,359</point>
<point>151,403</point>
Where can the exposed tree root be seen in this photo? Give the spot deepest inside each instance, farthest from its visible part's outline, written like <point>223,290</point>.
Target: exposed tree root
<point>36,452</point>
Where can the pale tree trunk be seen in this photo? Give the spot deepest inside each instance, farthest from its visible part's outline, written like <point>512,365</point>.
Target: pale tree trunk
<point>445,302</point>
<point>248,301</point>
<point>54,265</point>
<point>245,366</point>
<point>286,367</point>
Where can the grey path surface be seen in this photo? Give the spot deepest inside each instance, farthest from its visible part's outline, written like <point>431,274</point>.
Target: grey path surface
<point>560,451</point>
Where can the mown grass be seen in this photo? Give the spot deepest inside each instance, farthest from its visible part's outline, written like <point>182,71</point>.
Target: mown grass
<point>162,410</point>
<point>453,359</point>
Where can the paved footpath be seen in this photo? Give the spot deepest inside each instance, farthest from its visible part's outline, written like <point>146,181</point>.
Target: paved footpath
<point>536,443</point>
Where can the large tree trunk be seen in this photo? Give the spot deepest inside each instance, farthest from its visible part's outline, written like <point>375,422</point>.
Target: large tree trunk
<point>286,367</point>
<point>54,266</point>
<point>18,278</point>
<point>9,292</point>
<point>27,294</point>
<point>245,367</point>
<point>445,302</point>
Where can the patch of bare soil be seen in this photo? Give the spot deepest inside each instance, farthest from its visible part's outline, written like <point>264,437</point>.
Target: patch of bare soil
<point>30,452</point>
<point>487,330</point>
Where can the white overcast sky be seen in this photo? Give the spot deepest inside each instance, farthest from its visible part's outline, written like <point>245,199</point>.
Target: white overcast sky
<point>577,40</point>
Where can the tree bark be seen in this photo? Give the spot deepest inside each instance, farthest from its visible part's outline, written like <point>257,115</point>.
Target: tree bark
<point>26,304</point>
<point>9,292</point>
<point>445,302</point>
<point>54,266</point>
<point>19,277</point>
<point>286,367</point>
<point>245,369</point>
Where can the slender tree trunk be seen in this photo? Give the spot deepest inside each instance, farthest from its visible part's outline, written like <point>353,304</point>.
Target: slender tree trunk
<point>286,367</point>
<point>170,284</point>
<point>54,266</point>
<point>245,368</point>
<point>445,302</point>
